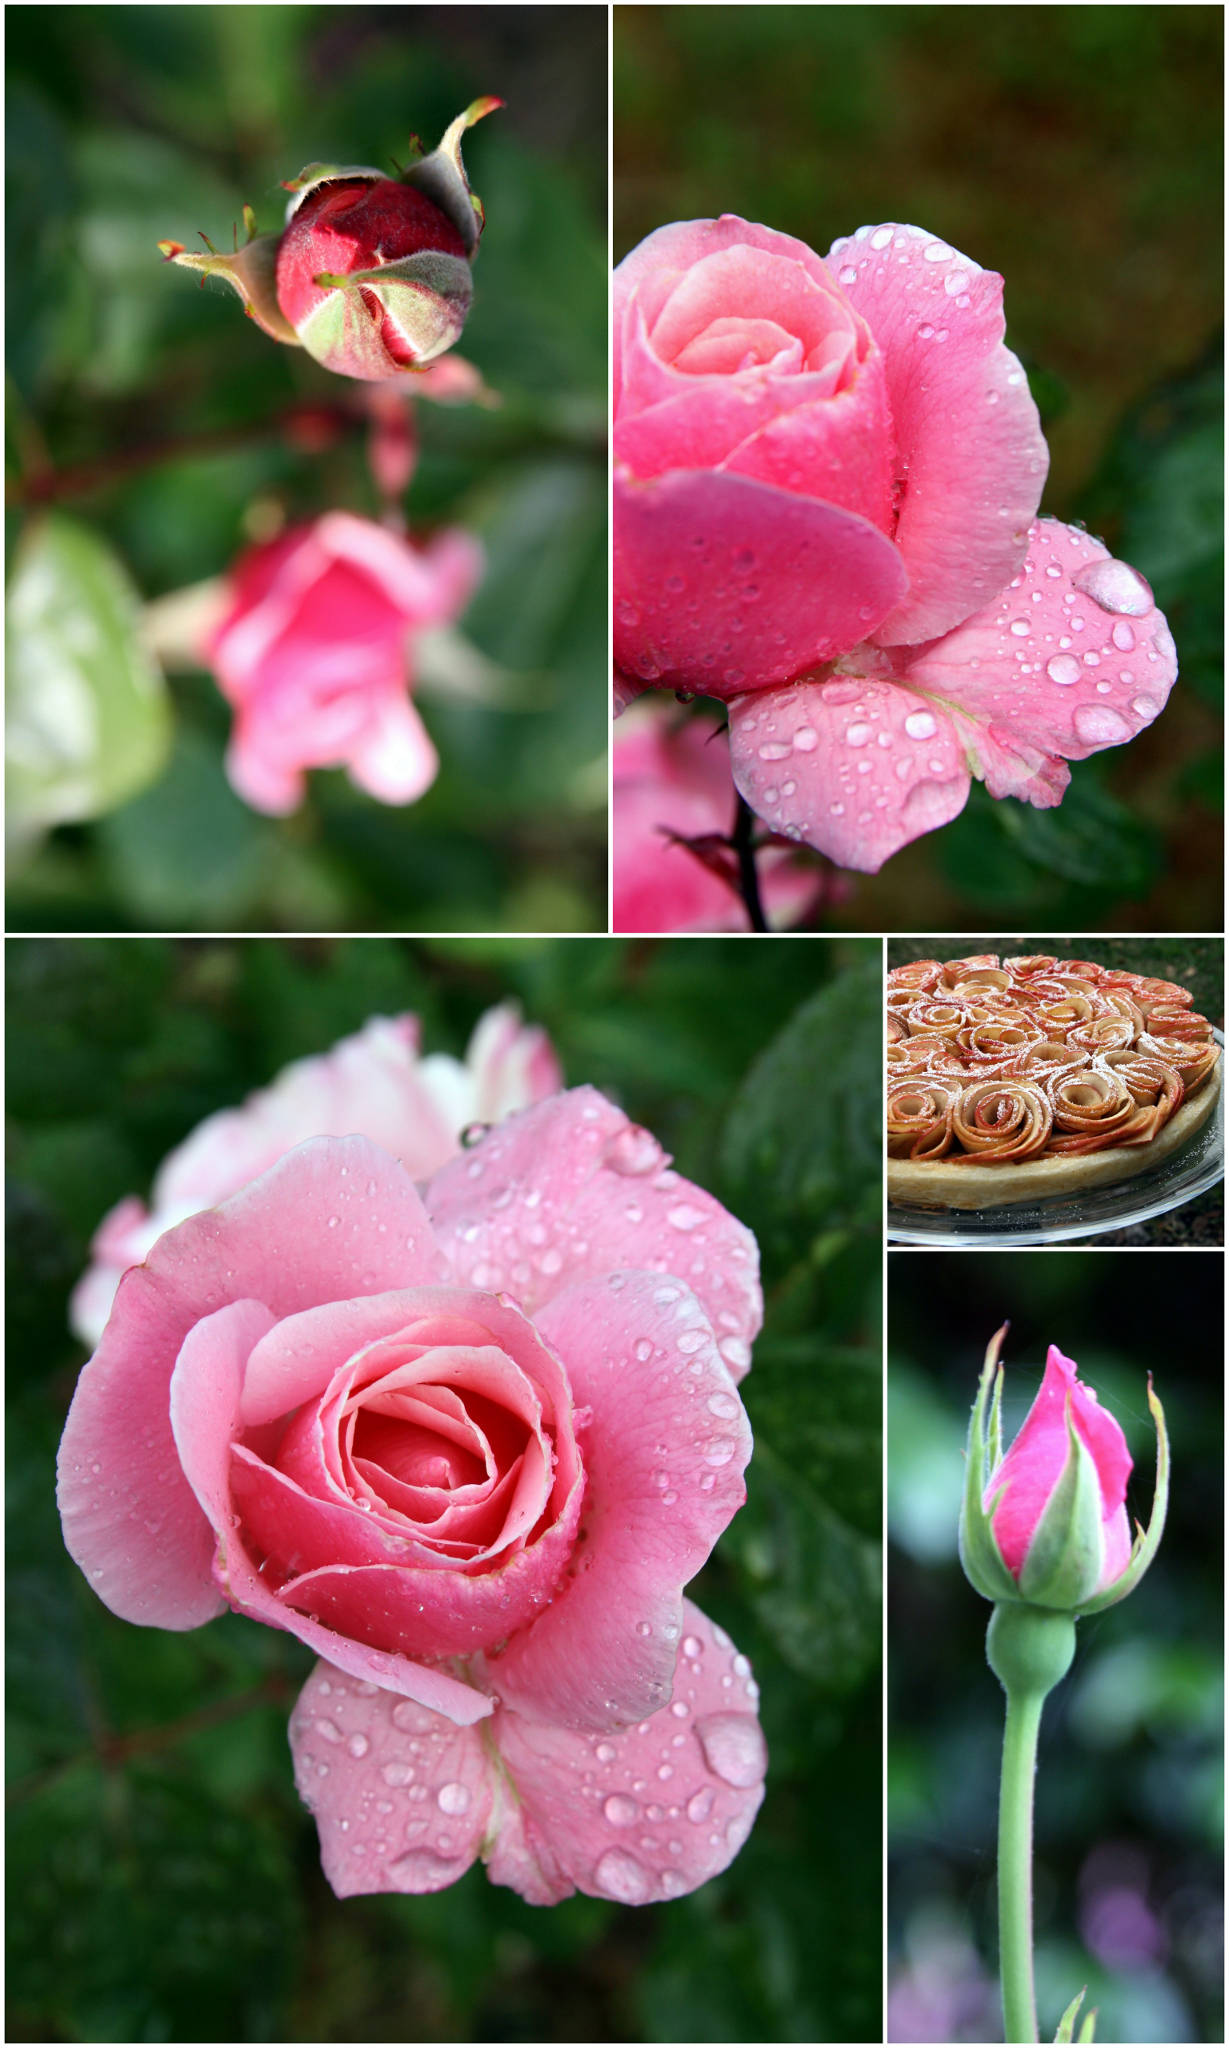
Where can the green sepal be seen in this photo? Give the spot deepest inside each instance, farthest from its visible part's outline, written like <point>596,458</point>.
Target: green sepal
<point>979,1552</point>
<point>1066,2026</point>
<point>314,175</point>
<point>441,176</point>
<point>251,271</point>
<point>1145,1546</point>
<point>1066,1552</point>
<point>428,294</point>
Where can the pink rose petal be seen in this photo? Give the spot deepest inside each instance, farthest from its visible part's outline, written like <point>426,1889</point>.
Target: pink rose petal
<point>969,448</point>
<point>1072,657</point>
<point>856,766</point>
<point>568,1190</point>
<point>664,1457</point>
<point>301,1234</point>
<point>401,1796</point>
<point>727,584</point>
<point>1032,1467</point>
<point>641,1813</point>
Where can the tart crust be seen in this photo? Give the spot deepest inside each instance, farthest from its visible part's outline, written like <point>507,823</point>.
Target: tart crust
<point>964,1184</point>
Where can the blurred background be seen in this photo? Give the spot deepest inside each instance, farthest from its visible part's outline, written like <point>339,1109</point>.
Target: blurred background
<point>144,454</point>
<point>1195,964</point>
<point>1129,1859</point>
<point>1042,142</point>
<point>164,1882</point>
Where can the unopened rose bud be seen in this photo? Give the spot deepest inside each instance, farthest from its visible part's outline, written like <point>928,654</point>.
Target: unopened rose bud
<point>1046,1523</point>
<point>371,274</point>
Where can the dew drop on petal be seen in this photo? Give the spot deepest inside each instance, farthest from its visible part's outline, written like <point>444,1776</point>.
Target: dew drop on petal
<point>1115,587</point>
<point>920,725</point>
<point>1098,725</point>
<point>619,1876</point>
<point>452,1798</point>
<point>1063,669</point>
<point>733,1748</point>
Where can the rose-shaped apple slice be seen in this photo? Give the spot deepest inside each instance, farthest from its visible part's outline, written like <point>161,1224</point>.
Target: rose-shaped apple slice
<point>406,1801</point>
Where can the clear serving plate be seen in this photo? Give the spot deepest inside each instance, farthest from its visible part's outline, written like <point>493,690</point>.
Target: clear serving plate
<point>1191,1171</point>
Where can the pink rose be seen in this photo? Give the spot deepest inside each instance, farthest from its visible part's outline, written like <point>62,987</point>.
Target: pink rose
<point>672,782</point>
<point>314,653</point>
<point>370,274</point>
<point>468,1446</point>
<point>1032,1468</point>
<point>826,481</point>
<point>374,1083</point>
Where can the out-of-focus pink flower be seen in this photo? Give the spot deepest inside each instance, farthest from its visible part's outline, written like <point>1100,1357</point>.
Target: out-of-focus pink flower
<point>315,655</point>
<point>672,782</point>
<point>1039,1457</point>
<point>375,1083</point>
<point>826,482</point>
<point>469,1446</point>
<point>370,274</point>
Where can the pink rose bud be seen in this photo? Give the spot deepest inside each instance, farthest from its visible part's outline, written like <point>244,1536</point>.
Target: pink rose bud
<point>315,655</point>
<point>1046,1523</point>
<point>371,274</point>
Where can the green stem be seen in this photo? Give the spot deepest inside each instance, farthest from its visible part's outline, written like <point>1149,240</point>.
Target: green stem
<point>1016,1865</point>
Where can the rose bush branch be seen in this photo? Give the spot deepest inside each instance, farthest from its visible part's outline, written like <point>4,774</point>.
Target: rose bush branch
<point>1044,1535</point>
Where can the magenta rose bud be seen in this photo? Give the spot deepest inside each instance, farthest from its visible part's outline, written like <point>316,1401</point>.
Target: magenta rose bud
<point>1046,1523</point>
<point>371,274</point>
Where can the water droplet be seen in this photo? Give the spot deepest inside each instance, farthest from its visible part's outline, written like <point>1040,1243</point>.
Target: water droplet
<point>733,1748</point>
<point>605,1752</point>
<point>329,1730</point>
<point>920,725</point>
<point>725,1405</point>
<point>619,1876</point>
<point>936,252</point>
<point>685,1218</point>
<point>1144,707</point>
<point>691,1646</point>
<point>634,1151</point>
<point>421,1870</point>
<point>1099,725</point>
<point>358,1745</point>
<point>1122,636</point>
<point>858,735</point>
<point>848,275</point>
<point>700,1805</point>
<point>956,281</point>
<point>773,750</point>
<point>453,1798</point>
<point>881,238</point>
<point>1115,587</point>
<point>1063,669</point>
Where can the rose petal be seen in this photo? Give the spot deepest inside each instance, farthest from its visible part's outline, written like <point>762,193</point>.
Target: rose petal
<point>642,1813</point>
<point>1073,656</point>
<point>401,1796</point>
<point>336,1217</point>
<point>856,766</point>
<point>1032,1467</point>
<point>724,583</point>
<point>664,1457</point>
<point>394,758</point>
<point>570,1189</point>
<point>969,446</point>
<point>204,1406</point>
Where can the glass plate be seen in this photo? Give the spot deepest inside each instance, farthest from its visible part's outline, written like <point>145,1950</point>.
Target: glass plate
<point>1191,1171</point>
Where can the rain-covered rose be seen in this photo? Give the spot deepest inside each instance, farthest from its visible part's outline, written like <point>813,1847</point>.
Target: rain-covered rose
<point>315,654</point>
<point>826,481</point>
<point>374,1083</point>
<point>469,1446</point>
<point>672,810</point>
<point>370,274</point>
<point>1046,1522</point>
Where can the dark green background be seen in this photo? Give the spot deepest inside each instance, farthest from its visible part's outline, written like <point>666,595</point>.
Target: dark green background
<point>164,1882</point>
<point>1129,1778</point>
<point>130,124</point>
<point>1078,151</point>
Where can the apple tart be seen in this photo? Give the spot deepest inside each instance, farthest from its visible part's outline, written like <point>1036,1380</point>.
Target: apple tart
<point>1009,1080</point>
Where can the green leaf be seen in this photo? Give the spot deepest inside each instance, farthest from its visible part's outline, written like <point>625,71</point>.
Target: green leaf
<point>87,709</point>
<point>188,852</point>
<point>801,1153</point>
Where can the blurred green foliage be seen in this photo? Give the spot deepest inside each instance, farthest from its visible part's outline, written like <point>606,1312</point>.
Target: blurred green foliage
<point>1032,140</point>
<point>129,124</point>
<point>1129,1870</point>
<point>164,1881</point>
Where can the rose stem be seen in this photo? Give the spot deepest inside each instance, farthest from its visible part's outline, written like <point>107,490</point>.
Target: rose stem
<point>1016,1864</point>
<point>749,880</point>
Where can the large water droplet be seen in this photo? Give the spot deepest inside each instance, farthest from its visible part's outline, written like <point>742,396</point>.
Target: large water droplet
<point>397,1774</point>
<point>1115,587</point>
<point>453,1798</point>
<point>1063,669</point>
<point>700,1805</point>
<point>421,1870</point>
<point>634,1151</point>
<point>619,1876</point>
<point>358,1746</point>
<point>1122,636</point>
<point>858,735</point>
<point>1098,725</point>
<point>920,725</point>
<point>734,1748</point>
<point>805,740</point>
<point>684,1217</point>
